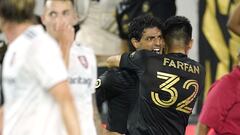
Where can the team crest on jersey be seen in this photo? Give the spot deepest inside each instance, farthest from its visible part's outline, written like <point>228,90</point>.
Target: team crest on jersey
<point>83,61</point>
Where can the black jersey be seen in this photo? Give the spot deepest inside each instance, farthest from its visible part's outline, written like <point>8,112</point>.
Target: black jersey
<point>118,88</point>
<point>168,87</point>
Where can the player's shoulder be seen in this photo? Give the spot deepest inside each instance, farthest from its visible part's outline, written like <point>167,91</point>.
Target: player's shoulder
<point>184,58</point>
<point>114,80</point>
<point>81,47</point>
<point>145,52</point>
<point>231,77</point>
<point>108,78</point>
<point>114,75</point>
<point>196,62</point>
<point>142,54</point>
<point>38,39</point>
<point>42,38</point>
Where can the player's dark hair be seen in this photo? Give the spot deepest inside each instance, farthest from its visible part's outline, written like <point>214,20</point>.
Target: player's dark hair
<point>138,24</point>
<point>17,10</point>
<point>177,28</point>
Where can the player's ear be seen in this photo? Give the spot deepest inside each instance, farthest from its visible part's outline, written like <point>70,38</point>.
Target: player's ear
<point>135,42</point>
<point>190,43</point>
<point>76,17</point>
<point>189,46</point>
<point>43,19</point>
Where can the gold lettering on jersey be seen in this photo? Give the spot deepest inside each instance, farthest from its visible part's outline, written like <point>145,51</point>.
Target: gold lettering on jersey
<point>181,65</point>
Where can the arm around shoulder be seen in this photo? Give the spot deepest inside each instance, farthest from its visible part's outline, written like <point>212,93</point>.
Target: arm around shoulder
<point>113,61</point>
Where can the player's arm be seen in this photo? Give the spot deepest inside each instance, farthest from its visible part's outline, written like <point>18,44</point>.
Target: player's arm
<point>202,129</point>
<point>113,61</point>
<point>96,117</point>
<point>1,119</point>
<point>129,60</point>
<point>234,21</point>
<point>62,95</point>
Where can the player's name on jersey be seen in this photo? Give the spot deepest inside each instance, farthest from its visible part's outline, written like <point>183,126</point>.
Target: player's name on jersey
<point>181,65</point>
<point>80,80</point>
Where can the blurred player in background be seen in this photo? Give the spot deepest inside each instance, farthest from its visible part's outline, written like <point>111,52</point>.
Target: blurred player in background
<point>36,91</point>
<point>59,18</point>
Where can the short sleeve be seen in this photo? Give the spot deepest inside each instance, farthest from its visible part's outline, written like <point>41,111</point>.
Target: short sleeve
<point>215,108</point>
<point>112,84</point>
<point>47,62</point>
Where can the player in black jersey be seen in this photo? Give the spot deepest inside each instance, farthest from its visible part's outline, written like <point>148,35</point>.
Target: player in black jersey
<point>168,84</point>
<point>119,87</point>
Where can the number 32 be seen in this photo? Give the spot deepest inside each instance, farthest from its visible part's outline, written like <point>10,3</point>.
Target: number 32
<point>167,86</point>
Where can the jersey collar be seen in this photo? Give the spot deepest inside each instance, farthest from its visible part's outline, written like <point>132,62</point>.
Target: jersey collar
<point>177,54</point>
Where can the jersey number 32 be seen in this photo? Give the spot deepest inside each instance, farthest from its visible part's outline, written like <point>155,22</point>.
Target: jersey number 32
<point>168,86</point>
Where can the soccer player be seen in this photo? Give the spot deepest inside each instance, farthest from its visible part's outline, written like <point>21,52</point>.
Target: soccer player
<point>37,95</point>
<point>59,18</point>
<point>118,86</point>
<point>169,84</point>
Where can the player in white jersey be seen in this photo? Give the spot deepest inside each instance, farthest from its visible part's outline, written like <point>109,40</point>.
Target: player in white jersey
<point>38,100</point>
<point>82,78</point>
<point>59,17</point>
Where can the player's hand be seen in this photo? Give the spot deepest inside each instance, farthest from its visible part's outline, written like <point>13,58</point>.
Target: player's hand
<point>64,34</point>
<point>113,61</point>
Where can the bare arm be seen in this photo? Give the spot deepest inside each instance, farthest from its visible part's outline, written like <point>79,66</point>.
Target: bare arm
<point>1,119</point>
<point>63,97</point>
<point>202,129</point>
<point>97,119</point>
<point>234,21</point>
<point>113,61</point>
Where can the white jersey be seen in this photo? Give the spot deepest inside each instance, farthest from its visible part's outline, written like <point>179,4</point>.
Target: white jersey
<point>82,78</point>
<point>33,64</point>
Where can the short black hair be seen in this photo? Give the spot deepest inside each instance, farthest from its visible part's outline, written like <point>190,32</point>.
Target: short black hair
<point>17,10</point>
<point>177,28</point>
<point>138,24</point>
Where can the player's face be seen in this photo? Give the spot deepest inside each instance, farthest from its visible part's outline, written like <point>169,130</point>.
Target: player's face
<point>58,12</point>
<point>151,39</point>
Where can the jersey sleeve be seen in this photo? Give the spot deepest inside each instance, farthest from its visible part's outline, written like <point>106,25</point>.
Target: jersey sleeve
<point>47,62</point>
<point>112,83</point>
<point>133,60</point>
<point>216,107</point>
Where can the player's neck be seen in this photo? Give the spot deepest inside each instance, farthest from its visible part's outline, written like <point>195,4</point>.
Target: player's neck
<point>177,51</point>
<point>12,30</point>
